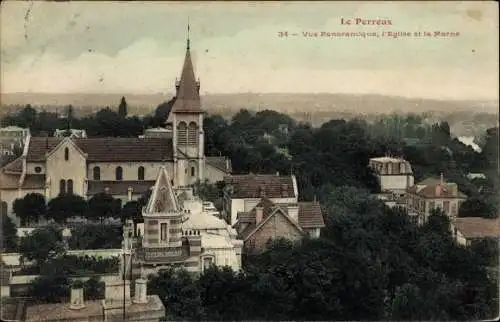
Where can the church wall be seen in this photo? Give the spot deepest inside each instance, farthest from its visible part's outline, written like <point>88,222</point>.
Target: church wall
<point>60,169</point>
<point>181,175</point>
<point>213,174</point>
<point>130,169</point>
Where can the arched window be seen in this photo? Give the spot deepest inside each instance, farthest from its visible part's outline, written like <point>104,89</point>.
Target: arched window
<point>97,173</point>
<point>66,154</point>
<point>182,134</point>
<point>119,173</point>
<point>193,134</point>
<point>70,186</point>
<point>62,187</point>
<point>140,173</point>
<point>193,171</point>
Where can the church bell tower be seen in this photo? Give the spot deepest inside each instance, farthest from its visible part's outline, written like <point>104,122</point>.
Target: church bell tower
<point>187,122</point>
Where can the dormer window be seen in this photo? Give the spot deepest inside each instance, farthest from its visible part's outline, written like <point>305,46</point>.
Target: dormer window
<point>66,154</point>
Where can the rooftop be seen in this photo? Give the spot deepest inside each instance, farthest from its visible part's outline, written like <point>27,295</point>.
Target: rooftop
<point>476,227</point>
<point>262,185</point>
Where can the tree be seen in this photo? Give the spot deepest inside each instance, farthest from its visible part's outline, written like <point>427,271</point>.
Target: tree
<point>30,208</point>
<point>132,210</point>
<point>50,288</point>
<point>162,112</point>
<point>42,245</point>
<point>91,236</point>
<point>66,206</point>
<point>9,235</point>
<point>122,108</point>
<point>478,206</point>
<point>178,290</point>
<point>102,206</point>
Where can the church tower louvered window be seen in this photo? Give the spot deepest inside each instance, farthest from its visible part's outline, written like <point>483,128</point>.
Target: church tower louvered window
<point>193,134</point>
<point>182,134</point>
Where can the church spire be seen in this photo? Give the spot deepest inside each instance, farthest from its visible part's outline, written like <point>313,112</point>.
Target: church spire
<point>188,89</point>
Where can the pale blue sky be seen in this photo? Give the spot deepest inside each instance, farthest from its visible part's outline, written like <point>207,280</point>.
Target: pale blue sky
<point>139,48</point>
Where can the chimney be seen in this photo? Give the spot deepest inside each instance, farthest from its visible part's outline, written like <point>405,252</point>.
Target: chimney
<point>106,190</point>
<point>293,212</point>
<point>277,173</point>
<point>442,179</point>
<point>227,165</point>
<point>77,300</point>
<point>129,193</point>
<point>262,191</point>
<point>259,213</point>
<point>140,296</point>
<point>439,188</point>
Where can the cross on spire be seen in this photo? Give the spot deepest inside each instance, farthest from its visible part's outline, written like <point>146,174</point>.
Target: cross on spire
<point>188,35</point>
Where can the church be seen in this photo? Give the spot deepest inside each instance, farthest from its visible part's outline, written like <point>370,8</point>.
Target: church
<point>123,167</point>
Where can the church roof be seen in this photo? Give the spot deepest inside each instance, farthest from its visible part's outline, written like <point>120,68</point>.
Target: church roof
<point>188,96</point>
<point>107,149</point>
<point>119,187</point>
<point>221,163</point>
<point>162,198</point>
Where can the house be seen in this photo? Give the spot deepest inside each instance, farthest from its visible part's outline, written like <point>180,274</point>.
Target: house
<point>125,167</point>
<point>270,220</point>
<point>431,194</point>
<point>467,229</point>
<point>243,192</point>
<point>12,138</point>
<point>394,174</point>
<point>72,133</point>
<point>179,233</point>
<point>5,278</point>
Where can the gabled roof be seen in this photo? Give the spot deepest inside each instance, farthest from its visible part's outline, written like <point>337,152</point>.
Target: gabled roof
<point>70,141</point>
<point>476,227</point>
<point>260,185</point>
<point>16,166</point>
<point>188,97</point>
<point>221,163</point>
<point>269,210</point>
<point>428,187</point>
<point>162,198</point>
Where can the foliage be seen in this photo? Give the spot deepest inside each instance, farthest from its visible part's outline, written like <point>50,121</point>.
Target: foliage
<point>122,108</point>
<point>102,206</point>
<point>9,235</point>
<point>72,265</point>
<point>132,210</point>
<point>42,245</point>
<point>179,292</point>
<point>65,206</point>
<point>92,236</point>
<point>30,208</point>
<point>479,206</point>
<point>55,288</point>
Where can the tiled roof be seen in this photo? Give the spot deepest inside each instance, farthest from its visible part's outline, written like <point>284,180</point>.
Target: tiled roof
<point>188,97</point>
<point>475,227</point>
<point>260,185</point>
<point>219,163</point>
<point>126,149</point>
<point>310,215</point>
<point>108,149</point>
<point>118,187</point>
<point>429,187</point>
<point>15,166</point>
<point>39,146</point>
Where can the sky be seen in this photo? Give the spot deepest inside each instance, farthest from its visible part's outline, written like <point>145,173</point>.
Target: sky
<point>139,47</point>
